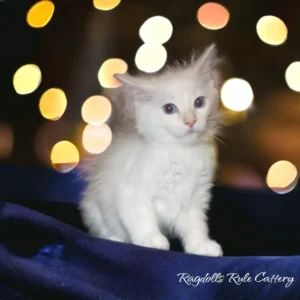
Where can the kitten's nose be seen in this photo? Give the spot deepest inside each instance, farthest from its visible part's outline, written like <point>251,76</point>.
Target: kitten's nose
<point>190,123</point>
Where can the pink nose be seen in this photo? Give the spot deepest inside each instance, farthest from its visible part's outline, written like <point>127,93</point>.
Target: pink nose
<point>190,123</point>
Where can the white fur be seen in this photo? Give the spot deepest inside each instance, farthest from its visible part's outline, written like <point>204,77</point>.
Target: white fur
<point>154,180</point>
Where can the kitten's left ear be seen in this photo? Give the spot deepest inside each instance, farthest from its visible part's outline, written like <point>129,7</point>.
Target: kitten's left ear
<point>207,64</point>
<point>207,60</point>
<point>133,81</point>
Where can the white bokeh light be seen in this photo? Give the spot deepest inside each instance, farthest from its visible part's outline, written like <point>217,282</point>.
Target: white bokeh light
<point>292,76</point>
<point>272,30</point>
<point>156,30</point>
<point>236,94</point>
<point>151,58</point>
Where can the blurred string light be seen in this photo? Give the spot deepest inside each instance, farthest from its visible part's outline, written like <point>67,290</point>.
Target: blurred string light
<point>96,139</point>
<point>272,30</point>
<point>282,177</point>
<point>108,69</point>
<point>96,110</point>
<point>40,14</point>
<point>236,94</point>
<point>27,79</point>
<point>106,4</point>
<point>292,76</point>
<point>156,30</point>
<point>213,16</point>
<point>151,57</point>
<point>6,140</point>
<point>64,156</point>
<point>53,104</point>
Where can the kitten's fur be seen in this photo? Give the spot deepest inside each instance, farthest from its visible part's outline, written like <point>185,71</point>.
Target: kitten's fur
<point>154,180</point>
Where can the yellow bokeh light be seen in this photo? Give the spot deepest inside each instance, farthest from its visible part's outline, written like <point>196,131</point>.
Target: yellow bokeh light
<point>27,79</point>
<point>106,4</point>
<point>6,141</point>
<point>282,177</point>
<point>96,139</point>
<point>156,30</point>
<point>96,110</point>
<point>64,156</point>
<point>150,58</point>
<point>40,14</point>
<point>292,76</point>
<point>108,69</point>
<point>53,104</point>
<point>236,94</point>
<point>272,30</point>
<point>213,16</point>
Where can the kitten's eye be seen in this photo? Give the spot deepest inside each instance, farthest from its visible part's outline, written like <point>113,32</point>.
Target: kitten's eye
<point>199,102</point>
<point>170,109</point>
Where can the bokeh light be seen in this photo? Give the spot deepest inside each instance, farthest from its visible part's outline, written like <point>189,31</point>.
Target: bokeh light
<point>108,69</point>
<point>156,30</point>
<point>64,156</point>
<point>96,139</point>
<point>53,104</point>
<point>6,141</point>
<point>150,58</point>
<point>106,4</point>
<point>292,76</point>
<point>236,94</point>
<point>282,177</point>
<point>27,79</point>
<point>96,110</point>
<point>48,134</point>
<point>40,14</point>
<point>213,16</point>
<point>272,30</point>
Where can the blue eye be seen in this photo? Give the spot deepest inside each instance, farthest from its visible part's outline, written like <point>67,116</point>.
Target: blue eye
<point>170,109</point>
<point>199,102</point>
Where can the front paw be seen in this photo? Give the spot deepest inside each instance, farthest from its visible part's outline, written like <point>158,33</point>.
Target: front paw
<point>157,241</point>
<point>207,248</point>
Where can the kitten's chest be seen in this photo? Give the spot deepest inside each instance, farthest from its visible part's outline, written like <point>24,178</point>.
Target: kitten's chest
<point>177,171</point>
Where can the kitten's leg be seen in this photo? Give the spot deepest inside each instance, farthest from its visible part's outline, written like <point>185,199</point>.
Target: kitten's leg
<point>192,227</point>
<point>93,219</point>
<point>139,219</point>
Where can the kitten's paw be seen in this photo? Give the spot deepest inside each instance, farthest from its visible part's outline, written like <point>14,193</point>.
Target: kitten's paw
<point>115,239</point>
<point>157,241</point>
<point>208,248</point>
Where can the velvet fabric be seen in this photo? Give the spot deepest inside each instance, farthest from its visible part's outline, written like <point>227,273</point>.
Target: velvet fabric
<point>45,252</point>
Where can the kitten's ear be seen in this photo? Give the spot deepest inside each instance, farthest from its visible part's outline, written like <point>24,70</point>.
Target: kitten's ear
<point>207,64</point>
<point>133,81</point>
<point>207,60</point>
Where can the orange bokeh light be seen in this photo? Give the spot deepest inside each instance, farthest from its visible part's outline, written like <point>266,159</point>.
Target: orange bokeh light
<point>108,69</point>
<point>53,104</point>
<point>213,16</point>
<point>40,14</point>
<point>282,176</point>
<point>96,110</point>
<point>64,156</point>
<point>106,4</point>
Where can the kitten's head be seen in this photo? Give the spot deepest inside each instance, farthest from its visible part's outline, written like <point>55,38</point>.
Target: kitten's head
<point>179,105</point>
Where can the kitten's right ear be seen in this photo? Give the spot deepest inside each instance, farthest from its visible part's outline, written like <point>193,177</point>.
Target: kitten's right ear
<point>133,81</point>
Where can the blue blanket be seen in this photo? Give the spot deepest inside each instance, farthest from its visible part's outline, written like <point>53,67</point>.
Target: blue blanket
<point>45,252</point>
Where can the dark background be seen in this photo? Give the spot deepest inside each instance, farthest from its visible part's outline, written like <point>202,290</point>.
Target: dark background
<point>79,38</point>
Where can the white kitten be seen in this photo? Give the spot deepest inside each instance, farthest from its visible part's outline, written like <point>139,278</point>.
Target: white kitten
<point>155,178</point>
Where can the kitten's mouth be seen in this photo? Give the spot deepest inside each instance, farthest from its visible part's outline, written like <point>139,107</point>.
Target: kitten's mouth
<point>191,131</point>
